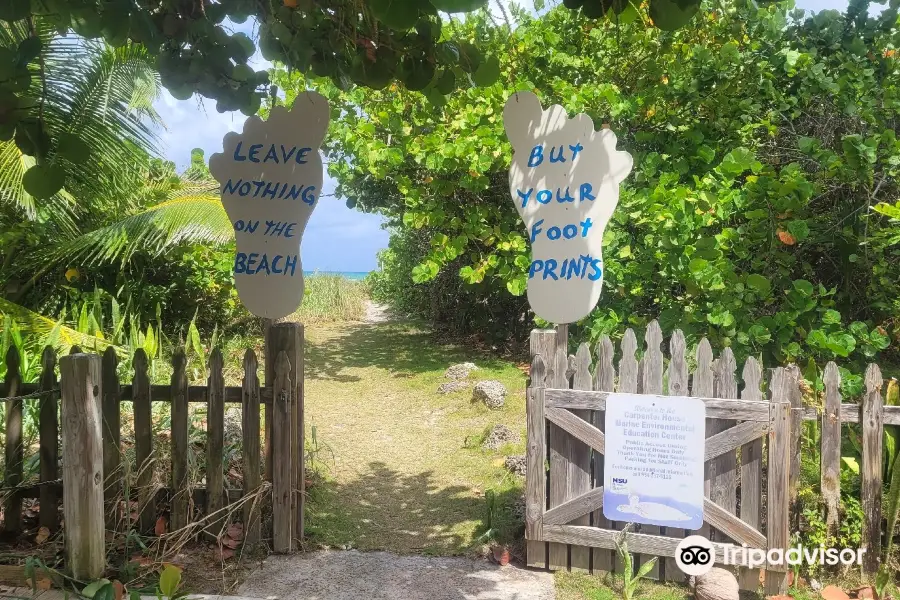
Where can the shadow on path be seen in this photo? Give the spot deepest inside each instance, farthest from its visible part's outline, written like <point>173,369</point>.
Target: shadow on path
<point>388,510</point>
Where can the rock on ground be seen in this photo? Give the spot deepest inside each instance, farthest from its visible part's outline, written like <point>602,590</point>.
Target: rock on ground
<point>460,371</point>
<point>516,464</point>
<point>491,392</point>
<point>717,584</point>
<point>452,386</point>
<point>352,575</point>
<point>499,435</point>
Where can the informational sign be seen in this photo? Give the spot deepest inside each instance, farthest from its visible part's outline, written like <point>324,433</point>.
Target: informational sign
<point>564,181</point>
<point>653,465</point>
<point>270,178</point>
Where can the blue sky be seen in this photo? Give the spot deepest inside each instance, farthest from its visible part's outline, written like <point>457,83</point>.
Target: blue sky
<point>337,238</point>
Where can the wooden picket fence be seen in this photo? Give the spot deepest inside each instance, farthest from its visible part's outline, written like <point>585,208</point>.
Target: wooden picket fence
<point>753,450</point>
<point>93,482</point>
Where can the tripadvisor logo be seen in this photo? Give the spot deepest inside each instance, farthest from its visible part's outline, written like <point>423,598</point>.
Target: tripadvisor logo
<point>695,555</point>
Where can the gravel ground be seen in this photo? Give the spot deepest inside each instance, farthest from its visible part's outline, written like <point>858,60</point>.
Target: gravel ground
<point>351,575</point>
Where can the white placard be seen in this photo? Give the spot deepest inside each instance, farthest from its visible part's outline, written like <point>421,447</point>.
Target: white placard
<point>653,466</point>
<point>564,181</point>
<point>271,177</point>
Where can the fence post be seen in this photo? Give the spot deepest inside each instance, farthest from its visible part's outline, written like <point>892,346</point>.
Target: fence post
<point>288,338</point>
<point>112,433</point>
<point>793,373</point>
<point>872,422</point>
<point>778,497</point>
<point>181,489</point>
<point>12,509</point>
<point>215,444</point>
<point>143,442</point>
<point>536,473</point>
<point>830,456</point>
<point>49,425</point>
<point>250,430</point>
<point>543,345</point>
<point>82,442</point>
<point>282,513</point>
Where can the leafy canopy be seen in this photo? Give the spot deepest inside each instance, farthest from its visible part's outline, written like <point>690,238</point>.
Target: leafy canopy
<point>761,138</point>
<point>369,43</point>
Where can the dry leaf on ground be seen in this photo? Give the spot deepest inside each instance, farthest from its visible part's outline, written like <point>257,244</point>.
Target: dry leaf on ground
<point>832,592</point>
<point>42,536</point>
<point>235,531</point>
<point>162,524</point>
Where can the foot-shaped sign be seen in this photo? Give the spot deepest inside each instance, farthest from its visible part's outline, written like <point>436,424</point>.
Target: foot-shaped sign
<point>564,180</point>
<point>271,176</point>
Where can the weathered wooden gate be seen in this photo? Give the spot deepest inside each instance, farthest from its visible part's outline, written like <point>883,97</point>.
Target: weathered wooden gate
<point>565,526</point>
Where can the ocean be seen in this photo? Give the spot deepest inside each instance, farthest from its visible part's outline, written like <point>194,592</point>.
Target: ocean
<point>355,275</point>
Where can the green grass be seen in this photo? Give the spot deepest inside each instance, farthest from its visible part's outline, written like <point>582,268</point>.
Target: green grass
<point>403,470</point>
<point>329,298</point>
<point>579,586</point>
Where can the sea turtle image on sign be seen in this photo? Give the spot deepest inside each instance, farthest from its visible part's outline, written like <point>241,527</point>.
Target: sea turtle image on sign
<point>564,181</point>
<point>270,178</point>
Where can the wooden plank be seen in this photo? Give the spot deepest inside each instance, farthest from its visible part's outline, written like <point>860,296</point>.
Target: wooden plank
<point>723,468</point>
<point>651,382</point>
<point>872,442</point>
<point>580,460</point>
<point>164,495</point>
<point>577,428</point>
<point>604,380</point>
<point>20,576</point>
<point>628,383</point>
<point>725,521</point>
<point>703,385</point>
<point>82,446</point>
<point>575,508</point>
<point>535,472</point>
<point>751,472</point>
<point>628,365</point>
<point>112,433</point>
<point>298,443</point>
<point>543,344</point>
<point>677,377</point>
<point>143,442</point>
<point>830,456</point>
<point>656,545</point>
<point>49,439</point>
<point>215,446</point>
<point>793,372</point>
<point>743,410</point>
<point>778,476</point>
<point>282,511</point>
<point>12,506</point>
<point>269,354</point>
<point>181,508</point>
<point>733,438</point>
<point>250,430</point>
<point>288,338</point>
<point>850,414</point>
<point>560,454</point>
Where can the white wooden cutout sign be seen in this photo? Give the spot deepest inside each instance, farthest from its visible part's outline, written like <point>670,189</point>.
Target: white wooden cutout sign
<point>271,177</point>
<point>564,180</point>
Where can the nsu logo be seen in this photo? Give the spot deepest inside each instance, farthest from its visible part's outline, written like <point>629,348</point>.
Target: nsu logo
<point>619,483</point>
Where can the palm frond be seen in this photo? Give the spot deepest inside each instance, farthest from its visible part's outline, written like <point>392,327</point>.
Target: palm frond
<point>104,96</point>
<point>194,214</point>
<point>32,322</point>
